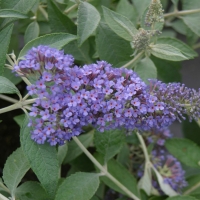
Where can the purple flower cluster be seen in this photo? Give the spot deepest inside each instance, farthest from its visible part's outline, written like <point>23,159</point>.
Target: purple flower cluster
<point>158,136</point>
<point>168,166</point>
<point>71,97</point>
<point>170,169</point>
<point>179,99</point>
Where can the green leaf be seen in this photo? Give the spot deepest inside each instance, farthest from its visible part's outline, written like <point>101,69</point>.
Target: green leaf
<point>156,198</point>
<point>191,21</point>
<point>109,143</point>
<point>184,150</point>
<point>5,13</point>
<point>31,190</point>
<point>55,40</point>
<point>111,47</point>
<point>32,32</point>
<point>181,46</point>
<point>5,36</point>
<point>43,160</point>
<point>188,5</point>
<point>21,6</point>
<point>146,69</point>
<point>124,156</point>
<point>80,53</point>
<point>141,7</point>
<point>121,25</point>
<point>74,150</point>
<point>124,7</point>
<point>11,76</point>
<point>58,21</point>
<point>191,130</point>
<point>19,119</point>
<point>81,186</point>
<point>88,20</point>
<point>120,173</point>
<point>62,152</point>
<point>192,38</point>
<point>81,163</point>
<point>167,52</point>
<point>14,170</point>
<point>168,71</point>
<point>179,26</point>
<point>181,198</point>
<point>193,182</point>
<point>7,87</point>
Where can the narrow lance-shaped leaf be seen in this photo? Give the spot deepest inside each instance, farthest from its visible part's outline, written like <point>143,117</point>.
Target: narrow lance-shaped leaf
<point>181,198</point>
<point>14,170</point>
<point>167,52</point>
<point>81,185</point>
<point>7,87</point>
<point>111,47</point>
<point>5,13</point>
<point>5,36</point>
<point>74,150</point>
<point>146,69</point>
<point>192,20</point>
<point>181,46</point>
<point>31,190</point>
<point>109,143</point>
<point>43,160</point>
<point>32,32</point>
<point>56,40</point>
<point>88,20</point>
<point>58,21</point>
<point>124,7</point>
<point>19,119</point>
<point>62,152</point>
<point>21,6</point>
<point>121,25</point>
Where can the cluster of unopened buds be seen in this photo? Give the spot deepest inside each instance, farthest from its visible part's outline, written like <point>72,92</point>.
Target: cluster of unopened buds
<point>142,39</point>
<point>71,97</point>
<point>154,13</point>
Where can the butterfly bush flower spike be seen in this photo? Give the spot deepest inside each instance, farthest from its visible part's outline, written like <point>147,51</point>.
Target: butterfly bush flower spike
<point>71,97</point>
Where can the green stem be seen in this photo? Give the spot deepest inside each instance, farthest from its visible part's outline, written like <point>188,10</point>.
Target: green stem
<point>192,189</point>
<point>4,187</point>
<point>134,60</point>
<point>3,197</point>
<point>104,170</point>
<point>181,13</point>
<point>196,46</point>
<point>17,105</point>
<point>71,8</point>
<point>43,11</point>
<point>144,148</point>
<point>9,99</point>
<point>26,96</point>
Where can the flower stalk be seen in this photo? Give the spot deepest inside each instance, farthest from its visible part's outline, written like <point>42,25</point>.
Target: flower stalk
<point>104,170</point>
<point>181,13</point>
<point>19,104</point>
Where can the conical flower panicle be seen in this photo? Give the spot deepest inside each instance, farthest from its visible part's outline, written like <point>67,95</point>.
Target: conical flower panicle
<point>71,97</point>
